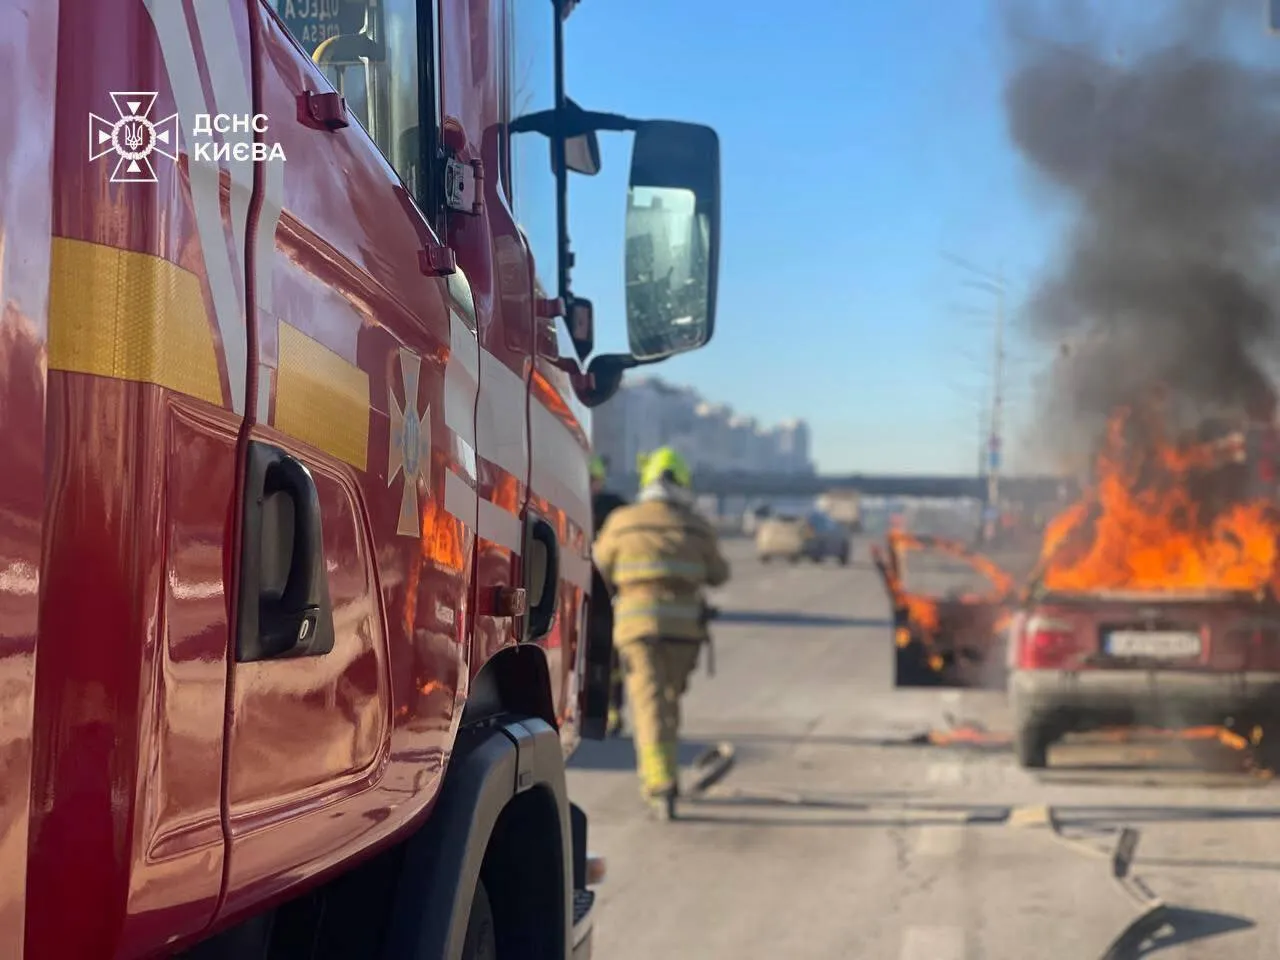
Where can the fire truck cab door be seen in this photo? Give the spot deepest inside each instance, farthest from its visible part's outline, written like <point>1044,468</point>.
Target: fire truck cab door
<point>359,506</point>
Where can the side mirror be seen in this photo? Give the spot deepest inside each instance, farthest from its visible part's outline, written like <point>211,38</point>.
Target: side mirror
<point>673,238</point>
<point>581,150</point>
<point>582,326</point>
<point>582,154</point>
<point>602,378</point>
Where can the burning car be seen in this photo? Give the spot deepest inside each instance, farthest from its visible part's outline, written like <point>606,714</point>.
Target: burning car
<point>1155,602</point>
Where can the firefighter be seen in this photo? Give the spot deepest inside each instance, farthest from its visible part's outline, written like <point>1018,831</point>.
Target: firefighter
<point>658,555</point>
<point>603,503</point>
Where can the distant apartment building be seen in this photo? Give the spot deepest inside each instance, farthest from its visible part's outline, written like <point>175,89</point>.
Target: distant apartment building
<point>648,413</point>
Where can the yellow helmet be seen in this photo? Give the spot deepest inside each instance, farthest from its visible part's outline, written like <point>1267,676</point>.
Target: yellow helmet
<point>661,462</point>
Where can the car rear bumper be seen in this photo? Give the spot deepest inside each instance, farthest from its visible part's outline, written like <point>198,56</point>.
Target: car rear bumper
<point>1093,698</point>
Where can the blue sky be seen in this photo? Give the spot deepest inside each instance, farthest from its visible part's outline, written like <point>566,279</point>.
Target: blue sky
<point>860,141</point>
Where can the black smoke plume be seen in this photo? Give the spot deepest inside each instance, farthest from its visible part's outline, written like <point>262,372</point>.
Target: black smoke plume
<point>1166,146</point>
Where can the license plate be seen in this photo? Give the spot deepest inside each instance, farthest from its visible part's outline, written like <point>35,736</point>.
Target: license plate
<point>1153,643</point>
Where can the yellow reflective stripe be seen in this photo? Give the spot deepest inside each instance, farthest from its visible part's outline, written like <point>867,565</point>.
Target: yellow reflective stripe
<point>631,569</point>
<point>670,758</point>
<point>657,767</point>
<point>321,397</point>
<point>130,316</point>
<point>665,610</point>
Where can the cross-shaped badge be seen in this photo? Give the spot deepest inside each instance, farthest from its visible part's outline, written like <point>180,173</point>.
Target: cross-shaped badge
<point>410,447</point>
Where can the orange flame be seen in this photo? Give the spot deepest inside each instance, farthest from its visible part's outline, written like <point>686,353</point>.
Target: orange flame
<point>1142,527</point>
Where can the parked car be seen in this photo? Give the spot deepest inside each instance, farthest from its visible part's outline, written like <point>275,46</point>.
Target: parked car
<point>754,516</point>
<point>1082,661</point>
<point>812,536</point>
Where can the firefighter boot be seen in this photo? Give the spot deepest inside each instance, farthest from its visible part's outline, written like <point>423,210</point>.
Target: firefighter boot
<point>662,804</point>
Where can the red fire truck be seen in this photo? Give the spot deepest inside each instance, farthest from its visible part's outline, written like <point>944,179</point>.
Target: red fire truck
<point>294,510</point>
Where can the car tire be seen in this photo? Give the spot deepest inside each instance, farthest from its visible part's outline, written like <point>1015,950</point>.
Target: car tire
<point>794,558</point>
<point>1031,745</point>
<point>481,941</point>
<point>765,558</point>
<point>844,557</point>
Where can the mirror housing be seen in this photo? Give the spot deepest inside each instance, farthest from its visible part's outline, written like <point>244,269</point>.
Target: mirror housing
<point>582,154</point>
<point>672,238</point>
<point>580,319</point>
<point>602,378</point>
<point>581,147</point>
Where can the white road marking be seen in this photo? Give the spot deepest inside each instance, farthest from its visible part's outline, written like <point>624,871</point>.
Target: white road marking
<point>935,841</point>
<point>946,773</point>
<point>932,943</point>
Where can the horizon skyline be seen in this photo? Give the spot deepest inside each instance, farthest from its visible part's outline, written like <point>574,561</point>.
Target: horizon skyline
<point>765,427</point>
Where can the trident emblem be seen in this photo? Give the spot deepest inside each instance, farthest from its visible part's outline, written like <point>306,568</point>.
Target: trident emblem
<point>133,137</point>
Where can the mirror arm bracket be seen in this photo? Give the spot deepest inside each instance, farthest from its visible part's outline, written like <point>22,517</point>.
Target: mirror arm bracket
<point>573,123</point>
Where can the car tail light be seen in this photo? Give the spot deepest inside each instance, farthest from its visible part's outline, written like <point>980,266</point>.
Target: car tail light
<point>1047,644</point>
<point>1263,647</point>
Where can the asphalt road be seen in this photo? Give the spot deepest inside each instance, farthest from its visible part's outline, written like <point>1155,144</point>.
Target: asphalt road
<point>835,836</point>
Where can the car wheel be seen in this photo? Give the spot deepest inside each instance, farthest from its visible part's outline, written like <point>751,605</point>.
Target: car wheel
<point>765,558</point>
<point>794,558</point>
<point>481,942</point>
<point>844,557</point>
<point>1031,745</point>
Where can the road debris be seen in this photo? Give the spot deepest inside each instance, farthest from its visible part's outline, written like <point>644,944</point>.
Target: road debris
<point>709,768</point>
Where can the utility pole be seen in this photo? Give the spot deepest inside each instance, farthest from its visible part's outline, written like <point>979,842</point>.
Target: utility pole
<point>992,283</point>
<point>982,441</point>
<point>997,408</point>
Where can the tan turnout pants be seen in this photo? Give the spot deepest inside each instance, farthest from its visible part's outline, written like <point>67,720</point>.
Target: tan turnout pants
<point>657,675</point>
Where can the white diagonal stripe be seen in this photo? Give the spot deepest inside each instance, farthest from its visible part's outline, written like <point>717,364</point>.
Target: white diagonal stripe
<point>559,470</point>
<point>459,499</point>
<point>461,380</point>
<point>501,438</point>
<point>574,567</point>
<point>264,247</point>
<point>228,73</point>
<point>498,525</point>
<point>180,64</point>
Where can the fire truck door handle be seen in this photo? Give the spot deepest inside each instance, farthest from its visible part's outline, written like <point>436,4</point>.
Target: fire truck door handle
<point>284,608</point>
<point>547,593</point>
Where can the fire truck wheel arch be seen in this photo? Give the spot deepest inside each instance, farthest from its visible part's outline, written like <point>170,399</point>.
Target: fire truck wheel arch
<point>493,769</point>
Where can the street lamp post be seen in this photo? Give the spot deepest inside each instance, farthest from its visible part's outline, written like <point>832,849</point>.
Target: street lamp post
<point>992,283</point>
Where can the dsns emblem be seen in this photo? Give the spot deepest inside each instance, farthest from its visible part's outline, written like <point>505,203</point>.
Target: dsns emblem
<point>133,137</point>
<point>410,446</point>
